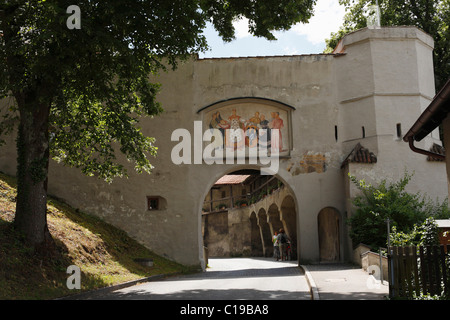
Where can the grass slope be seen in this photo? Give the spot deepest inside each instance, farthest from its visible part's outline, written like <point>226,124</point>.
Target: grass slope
<point>104,253</point>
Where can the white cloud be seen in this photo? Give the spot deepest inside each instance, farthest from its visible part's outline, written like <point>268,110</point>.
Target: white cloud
<point>327,18</point>
<point>241,28</point>
<point>300,39</point>
<point>288,50</point>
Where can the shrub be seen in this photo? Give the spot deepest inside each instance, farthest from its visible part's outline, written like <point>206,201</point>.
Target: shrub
<point>378,203</point>
<point>425,234</point>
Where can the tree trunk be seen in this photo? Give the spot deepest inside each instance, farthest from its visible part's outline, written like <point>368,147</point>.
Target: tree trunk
<point>33,96</point>
<point>32,169</point>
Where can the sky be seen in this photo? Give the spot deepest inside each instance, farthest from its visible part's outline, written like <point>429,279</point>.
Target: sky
<point>300,39</point>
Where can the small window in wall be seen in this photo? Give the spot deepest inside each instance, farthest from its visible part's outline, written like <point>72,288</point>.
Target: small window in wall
<point>336,133</point>
<point>399,130</point>
<point>153,203</point>
<point>156,203</point>
<point>363,132</point>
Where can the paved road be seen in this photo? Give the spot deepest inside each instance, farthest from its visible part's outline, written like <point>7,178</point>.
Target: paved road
<point>346,282</point>
<point>226,279</point>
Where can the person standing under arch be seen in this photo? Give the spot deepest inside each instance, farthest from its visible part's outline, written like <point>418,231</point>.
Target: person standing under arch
<point>276,246</point>
<point>283,240</point>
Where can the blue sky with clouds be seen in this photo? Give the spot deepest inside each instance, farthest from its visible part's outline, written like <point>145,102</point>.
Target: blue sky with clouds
<point>300,39</point>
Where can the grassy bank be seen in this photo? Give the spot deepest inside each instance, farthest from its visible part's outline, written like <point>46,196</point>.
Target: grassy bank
<point>104,253</point>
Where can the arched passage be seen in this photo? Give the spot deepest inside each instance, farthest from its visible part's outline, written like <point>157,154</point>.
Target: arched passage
<point>251,203</point>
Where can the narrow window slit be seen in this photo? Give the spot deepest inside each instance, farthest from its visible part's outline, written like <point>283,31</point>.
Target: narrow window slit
<point>399,130</point>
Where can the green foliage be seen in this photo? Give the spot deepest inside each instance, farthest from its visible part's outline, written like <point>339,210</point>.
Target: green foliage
<point>433,17</point>
<point>38,170</point>
<point>239,203</point>
<point>264,16</point>
<point>425,234</point>
<point>82,93</point>
<point>100,80</point>
<point>106,255</point>
<point>426,297</point>
<point>376,204</point>
<point>398,238</point>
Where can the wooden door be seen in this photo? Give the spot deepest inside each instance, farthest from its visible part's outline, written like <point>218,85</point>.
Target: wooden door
<point>328,225</point>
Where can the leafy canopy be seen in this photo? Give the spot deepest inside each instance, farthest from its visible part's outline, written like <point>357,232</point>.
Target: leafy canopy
<point>96,80</point>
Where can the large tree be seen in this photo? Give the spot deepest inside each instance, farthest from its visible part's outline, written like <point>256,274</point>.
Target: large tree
<point>77,94</point>
<point>432,16</point>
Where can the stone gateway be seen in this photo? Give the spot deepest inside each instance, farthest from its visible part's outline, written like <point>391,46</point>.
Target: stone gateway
<point>336,114</point>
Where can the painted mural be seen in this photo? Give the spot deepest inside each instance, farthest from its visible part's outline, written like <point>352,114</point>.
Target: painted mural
<point>251,118</point>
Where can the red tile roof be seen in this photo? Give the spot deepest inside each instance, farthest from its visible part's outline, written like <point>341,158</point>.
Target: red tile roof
<point>360,154</point>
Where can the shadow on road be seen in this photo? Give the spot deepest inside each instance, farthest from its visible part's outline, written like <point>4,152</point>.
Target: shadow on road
<point>227,279</point>
<point>203,294</point>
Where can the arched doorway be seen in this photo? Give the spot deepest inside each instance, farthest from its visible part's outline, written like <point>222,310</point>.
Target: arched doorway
<point>241,212</point>
<point>328,231</point>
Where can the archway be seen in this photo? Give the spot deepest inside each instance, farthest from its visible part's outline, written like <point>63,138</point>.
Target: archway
<point>328,231</point>
<point>241,212</point>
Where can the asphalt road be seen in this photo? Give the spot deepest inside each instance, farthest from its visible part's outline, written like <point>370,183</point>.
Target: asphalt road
<point>225,279</point>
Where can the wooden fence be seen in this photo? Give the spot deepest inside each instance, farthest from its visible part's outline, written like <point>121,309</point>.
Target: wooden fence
<point>418,270</point>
